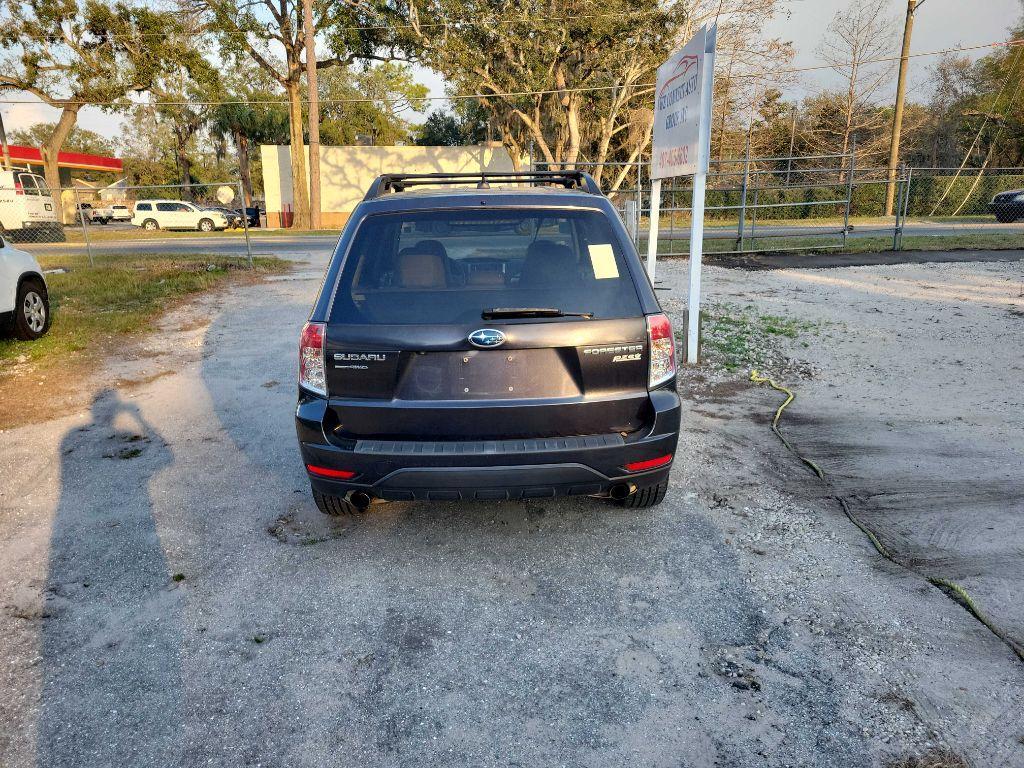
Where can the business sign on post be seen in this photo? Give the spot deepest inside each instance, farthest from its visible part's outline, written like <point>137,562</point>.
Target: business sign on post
<point>677,111</point>
<point>682,147</point>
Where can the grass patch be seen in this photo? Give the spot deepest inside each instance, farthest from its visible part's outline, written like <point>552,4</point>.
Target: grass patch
<point>95,306</point>
<point>738,338</point>
<point>938,758</point>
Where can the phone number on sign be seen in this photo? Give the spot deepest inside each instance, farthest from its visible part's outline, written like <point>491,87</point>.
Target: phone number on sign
<point>675,156</point>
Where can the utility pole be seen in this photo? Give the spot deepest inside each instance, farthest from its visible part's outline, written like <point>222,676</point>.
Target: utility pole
<point>897,117</point>
<point>314,114</point>
<point>792,146</point>
<point>3,143</point>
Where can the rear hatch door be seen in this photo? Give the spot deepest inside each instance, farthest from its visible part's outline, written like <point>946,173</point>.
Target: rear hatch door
<point>466,324</point>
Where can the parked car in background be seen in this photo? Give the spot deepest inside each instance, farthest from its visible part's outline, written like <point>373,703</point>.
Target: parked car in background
<point>177,214</point>
<point>98,213</point>
<point>1008,206</point>
<point>252,214</point>
<point>234,217</point>
<point>502,342</point>
<point>120,213</point>
<point>24,301</point>
<point>27,209</point>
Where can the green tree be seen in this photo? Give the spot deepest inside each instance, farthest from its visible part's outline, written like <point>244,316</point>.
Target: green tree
<point>78,139</point>
<point>440,129</point>
<point>146,147</point>
<point>574,79</point>
<point>464,126</point>
<point>371,101</point>
<point>255,30</point>
<point>69,53</point>
<point>248,122</point>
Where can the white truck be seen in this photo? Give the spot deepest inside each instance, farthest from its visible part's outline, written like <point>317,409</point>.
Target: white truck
<point>24,302</point>
<point>27,209</point>
<point>103,213</point>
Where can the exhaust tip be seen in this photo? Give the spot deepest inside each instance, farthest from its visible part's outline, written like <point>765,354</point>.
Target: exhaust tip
<point>361,500</point>
<point>621,491</point>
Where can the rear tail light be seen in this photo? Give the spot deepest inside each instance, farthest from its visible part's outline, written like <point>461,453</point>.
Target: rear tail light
<point>663,350</point>
<point>311,358</point>
<point>643,466</point>
<point>336,474</point>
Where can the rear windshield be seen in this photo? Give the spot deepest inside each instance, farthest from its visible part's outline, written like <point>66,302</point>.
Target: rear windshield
<point>440,267</point>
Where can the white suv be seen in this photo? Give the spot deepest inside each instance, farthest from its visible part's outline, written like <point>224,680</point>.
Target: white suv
<point>176,214</point>
<point>24,302</point>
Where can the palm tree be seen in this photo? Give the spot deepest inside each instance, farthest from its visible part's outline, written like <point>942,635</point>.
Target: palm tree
<point>247,119</point>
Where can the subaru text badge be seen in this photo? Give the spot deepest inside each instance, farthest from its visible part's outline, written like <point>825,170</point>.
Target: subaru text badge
<point>487,338</point>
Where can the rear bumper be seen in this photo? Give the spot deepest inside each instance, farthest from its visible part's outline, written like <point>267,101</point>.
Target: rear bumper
<point>492,469</point>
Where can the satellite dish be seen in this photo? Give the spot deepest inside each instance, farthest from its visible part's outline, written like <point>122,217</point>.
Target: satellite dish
<point>225,195</point>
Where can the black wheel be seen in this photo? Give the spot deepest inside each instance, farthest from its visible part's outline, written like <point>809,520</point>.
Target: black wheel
<point>335,506</point>
<point>646,497</point>
<point>205,225</point>
<point>32,313</point>
<point>150,224</point>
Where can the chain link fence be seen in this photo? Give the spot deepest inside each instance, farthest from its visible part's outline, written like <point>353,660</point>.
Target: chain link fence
<point>824,202</point>
<point>82,225</point>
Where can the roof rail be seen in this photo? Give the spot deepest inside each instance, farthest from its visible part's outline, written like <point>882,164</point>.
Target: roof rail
<point>399,182</point>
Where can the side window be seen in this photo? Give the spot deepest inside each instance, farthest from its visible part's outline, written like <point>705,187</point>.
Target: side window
<point>168,207</point>
<point>143,207</point>
<point>28,184</point>
<point>185,208</point>
<point>41,185</point>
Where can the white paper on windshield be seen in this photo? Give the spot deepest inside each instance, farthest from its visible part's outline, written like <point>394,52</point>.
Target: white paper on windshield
<point>602,259</point>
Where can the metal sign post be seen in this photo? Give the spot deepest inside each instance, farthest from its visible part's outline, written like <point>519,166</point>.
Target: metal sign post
<point>682,147</point>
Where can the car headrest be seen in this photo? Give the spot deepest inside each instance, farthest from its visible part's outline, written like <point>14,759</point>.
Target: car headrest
<point>421,269</point>
<point>431,246</point>
<point>548,264</point>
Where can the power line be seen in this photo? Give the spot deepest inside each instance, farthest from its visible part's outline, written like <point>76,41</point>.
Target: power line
<point>509,94</point>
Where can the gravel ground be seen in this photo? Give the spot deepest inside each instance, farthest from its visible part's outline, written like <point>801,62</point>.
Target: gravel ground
<point>170,596</point>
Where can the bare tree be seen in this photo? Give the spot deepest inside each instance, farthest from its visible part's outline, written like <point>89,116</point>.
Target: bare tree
<point>855,41</point>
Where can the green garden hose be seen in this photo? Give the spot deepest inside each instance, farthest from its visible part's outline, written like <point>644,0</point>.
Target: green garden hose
<point>958,591</point>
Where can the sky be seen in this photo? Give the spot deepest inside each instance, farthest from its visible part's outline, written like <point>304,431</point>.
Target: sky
<point>940,24</point>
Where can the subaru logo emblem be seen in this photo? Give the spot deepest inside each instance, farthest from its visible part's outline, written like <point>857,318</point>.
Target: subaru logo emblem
<point>487,338</point>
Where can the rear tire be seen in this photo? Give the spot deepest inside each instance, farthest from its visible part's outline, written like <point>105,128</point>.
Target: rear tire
<point>646,497</point>
<point>205,225</point>
<point>151,225</point>
<point>335,506</point>
<point>32,312</point>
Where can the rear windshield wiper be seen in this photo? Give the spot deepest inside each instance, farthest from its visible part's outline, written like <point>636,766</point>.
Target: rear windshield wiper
<point>497,313</point>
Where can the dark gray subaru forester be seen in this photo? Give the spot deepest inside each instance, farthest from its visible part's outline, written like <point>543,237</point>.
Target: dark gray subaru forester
<point>496,342</point>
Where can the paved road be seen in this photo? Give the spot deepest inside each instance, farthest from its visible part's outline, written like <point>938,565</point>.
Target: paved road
<point>225,245</point>
<point>299,246</point>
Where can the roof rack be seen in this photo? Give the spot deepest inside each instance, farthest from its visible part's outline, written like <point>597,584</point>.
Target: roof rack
<point>399,182</point>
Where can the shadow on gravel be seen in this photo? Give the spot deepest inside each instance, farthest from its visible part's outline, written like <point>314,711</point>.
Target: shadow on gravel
<point>112,682</point>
